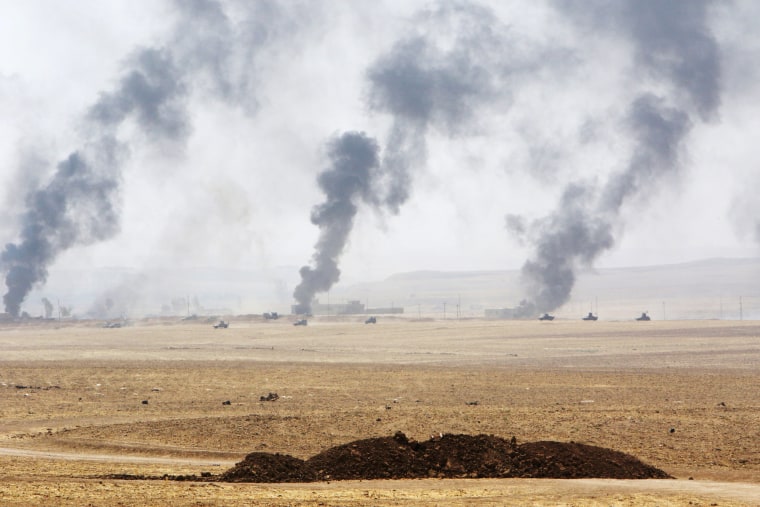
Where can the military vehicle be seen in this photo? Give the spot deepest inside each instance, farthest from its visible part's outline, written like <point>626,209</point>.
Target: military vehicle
<point>221,325</point>
<point>271,316</point>
<point>371,320</point>
<point>546,316</point>
<point>590,316</point>
<point>301,322</point>
<point>644,316</point>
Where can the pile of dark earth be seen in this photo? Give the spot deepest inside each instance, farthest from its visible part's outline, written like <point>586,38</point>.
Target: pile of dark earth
<point>447,456</point>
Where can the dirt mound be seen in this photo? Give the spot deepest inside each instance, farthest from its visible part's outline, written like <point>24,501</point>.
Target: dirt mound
<point>446,456</point>
<point>467,456</point>
<point>556,460</point>
<point>266,467</point>
<point>372,458</point>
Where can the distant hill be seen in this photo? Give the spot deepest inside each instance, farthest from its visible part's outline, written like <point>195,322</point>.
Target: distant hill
<point>703,289</point>
<point>706,289</point>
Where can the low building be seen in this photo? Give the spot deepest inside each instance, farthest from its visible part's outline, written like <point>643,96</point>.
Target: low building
<point>501,313</point>
<point>393,310</point>
<point>352,307</point>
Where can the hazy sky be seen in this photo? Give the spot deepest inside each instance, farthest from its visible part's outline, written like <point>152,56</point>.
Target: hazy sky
<point>527,98</point>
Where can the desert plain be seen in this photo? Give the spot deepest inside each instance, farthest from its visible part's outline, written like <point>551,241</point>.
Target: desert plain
<point>80,403</point>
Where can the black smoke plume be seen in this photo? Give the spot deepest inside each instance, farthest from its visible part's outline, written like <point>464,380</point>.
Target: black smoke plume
<point>436,79</point>
<point>222,48</point>
<point>151,91</point>
<point>459,60</point>
<point>48,307</point>
<point>79,205</point>
<point>349,179</point>
<point>551,275</point>
<point>672,44</point>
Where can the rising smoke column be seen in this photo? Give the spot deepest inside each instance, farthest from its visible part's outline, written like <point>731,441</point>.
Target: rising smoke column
<point>222,48</point>
<point>79,205</point>
<point>349,179</point>
<point>675,49</point>
<point>551,275</point>
<point>435,79</point>
<point>75,207</point>
<point>48,308</point>
<point>459,60</point>
<point>207,51</point>
<point>152,92</point>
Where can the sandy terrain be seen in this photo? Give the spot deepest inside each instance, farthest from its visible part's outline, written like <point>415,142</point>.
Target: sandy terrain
<point>78,402</point>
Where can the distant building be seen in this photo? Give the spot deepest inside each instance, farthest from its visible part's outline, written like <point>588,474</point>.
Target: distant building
<point>501,313</point>
<point>385,311</point>
<point>353,307</point>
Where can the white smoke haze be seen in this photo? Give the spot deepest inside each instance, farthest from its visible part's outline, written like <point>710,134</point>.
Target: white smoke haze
<point>221,111</point>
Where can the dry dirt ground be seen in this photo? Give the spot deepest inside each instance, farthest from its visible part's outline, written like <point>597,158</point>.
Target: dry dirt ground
<point>79,402</point>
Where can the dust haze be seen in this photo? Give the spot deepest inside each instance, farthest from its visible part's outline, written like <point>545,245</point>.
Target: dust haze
<point>317,146</point>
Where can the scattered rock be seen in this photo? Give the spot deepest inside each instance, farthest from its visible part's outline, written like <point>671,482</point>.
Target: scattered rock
<point>227,402</point>
<point>270,397</point>
<point>144,402</point>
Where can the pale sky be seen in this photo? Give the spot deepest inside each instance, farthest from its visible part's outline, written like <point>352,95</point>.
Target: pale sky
<point>238,188</point>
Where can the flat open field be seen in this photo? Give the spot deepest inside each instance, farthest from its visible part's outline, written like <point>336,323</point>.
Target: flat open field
<point>78,402</point>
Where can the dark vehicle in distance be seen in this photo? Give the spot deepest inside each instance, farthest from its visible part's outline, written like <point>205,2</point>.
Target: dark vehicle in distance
<point>644,316</point>
<point>301,322</point>
<point>271,316</point>
<point>590,316</point>
<point>546,316</point>
<point>371,320</point>
<point>221,325</point>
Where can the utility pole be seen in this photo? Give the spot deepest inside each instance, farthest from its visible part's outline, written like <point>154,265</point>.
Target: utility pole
<point>741,309</point>
<point>444,310</point>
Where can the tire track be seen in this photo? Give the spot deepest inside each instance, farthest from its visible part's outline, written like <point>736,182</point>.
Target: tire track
<point>111,458</point>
